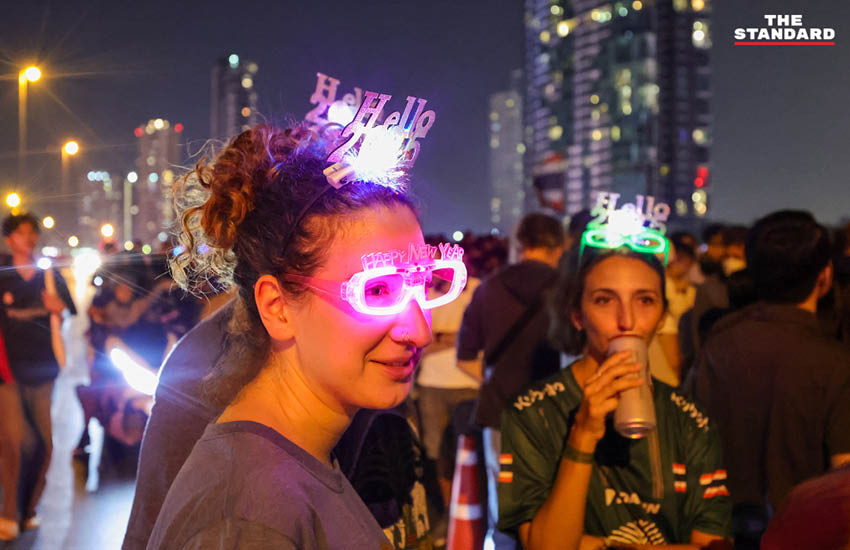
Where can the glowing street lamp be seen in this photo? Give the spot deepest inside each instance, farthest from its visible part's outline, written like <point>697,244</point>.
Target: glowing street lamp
<point>73,241</point>
<point>13,200</point>
<point>107,230</point>
<point>29,74</point>
<point>71,148</point>
<point>48,222</point>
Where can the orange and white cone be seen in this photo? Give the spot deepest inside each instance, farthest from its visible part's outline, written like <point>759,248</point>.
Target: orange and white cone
<point>466,530</point>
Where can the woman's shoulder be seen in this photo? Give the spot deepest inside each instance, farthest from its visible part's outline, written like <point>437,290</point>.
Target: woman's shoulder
<point>674,403</point>
<point>556,394</point>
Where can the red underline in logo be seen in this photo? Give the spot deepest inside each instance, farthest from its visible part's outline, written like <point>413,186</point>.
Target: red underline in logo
<point>785,43</point>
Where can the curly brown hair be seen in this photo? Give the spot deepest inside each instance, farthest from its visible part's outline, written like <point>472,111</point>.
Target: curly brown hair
<point>263,206</point>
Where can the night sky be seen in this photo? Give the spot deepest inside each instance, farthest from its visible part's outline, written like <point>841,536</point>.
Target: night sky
<point>782,114</point>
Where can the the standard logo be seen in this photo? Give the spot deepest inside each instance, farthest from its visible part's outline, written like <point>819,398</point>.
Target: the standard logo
<point>784,30</point>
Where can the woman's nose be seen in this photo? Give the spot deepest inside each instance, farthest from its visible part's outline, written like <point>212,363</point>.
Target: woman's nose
<point>413,326</point>
<point>625,317</point>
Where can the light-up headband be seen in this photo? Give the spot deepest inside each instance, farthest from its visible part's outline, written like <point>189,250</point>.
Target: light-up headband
<point>378,154</point>
<point>639,226</point>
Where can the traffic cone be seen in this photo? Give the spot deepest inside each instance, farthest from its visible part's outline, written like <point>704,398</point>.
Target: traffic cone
<point>466,531</point>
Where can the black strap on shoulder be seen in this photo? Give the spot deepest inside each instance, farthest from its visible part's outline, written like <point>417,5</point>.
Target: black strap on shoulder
<point>512,333</point>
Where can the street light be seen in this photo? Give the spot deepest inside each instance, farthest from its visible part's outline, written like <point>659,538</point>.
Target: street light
<point>30,74</point>
<point>107,230</point>
<point>48,222</point>
<point>73,241</point>
<point>71,147</point>
<point>13,200</point>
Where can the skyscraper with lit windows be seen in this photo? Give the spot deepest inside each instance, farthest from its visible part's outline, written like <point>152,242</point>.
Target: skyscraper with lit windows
<point>618,94</point>
<point>233,99</point>
<point>148,207</point>
<point>506,155</point>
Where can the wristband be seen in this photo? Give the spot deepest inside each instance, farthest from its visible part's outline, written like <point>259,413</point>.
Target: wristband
<point>581,457</point>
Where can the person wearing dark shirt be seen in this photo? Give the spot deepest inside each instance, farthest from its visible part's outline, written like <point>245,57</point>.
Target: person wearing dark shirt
<point>777,386</point>
<point>28,305</point>
<point>503,338</point>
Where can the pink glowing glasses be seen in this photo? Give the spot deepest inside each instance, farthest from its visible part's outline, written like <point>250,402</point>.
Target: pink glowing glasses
<point>387,290</point>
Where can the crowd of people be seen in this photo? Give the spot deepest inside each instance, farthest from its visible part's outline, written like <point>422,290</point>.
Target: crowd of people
<point>320,406</point>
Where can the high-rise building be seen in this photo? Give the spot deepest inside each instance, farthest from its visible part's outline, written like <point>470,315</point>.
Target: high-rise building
<point>149,214</point>
<point>620,92</point>
<point>101,203</point>
<point>233,99</point>
<point>507,195</point>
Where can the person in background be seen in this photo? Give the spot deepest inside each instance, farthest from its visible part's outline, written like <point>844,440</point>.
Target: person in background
<point>503,338</point>
<point>441,387</point>
<point>665,357</point>
<point>816,514</point>
<point>11,436</point>
<point>28,306</point>
<point>777,386</point>
<point>569,480</point>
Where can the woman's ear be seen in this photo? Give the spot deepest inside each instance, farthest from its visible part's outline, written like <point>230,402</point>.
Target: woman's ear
<point>575,318</point>
<point>274,308</point>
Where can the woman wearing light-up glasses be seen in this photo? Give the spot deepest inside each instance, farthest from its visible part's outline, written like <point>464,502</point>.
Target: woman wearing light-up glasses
<point>335,284</point>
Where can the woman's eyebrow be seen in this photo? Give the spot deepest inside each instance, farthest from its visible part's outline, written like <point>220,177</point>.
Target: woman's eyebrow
<point>648,291</point>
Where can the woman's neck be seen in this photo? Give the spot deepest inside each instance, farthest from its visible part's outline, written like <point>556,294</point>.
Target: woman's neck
<point>584,368</point>
<point>280,398</point>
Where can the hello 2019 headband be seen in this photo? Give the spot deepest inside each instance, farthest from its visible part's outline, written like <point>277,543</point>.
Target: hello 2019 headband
<point>380,154</point>
<point>639,226</point>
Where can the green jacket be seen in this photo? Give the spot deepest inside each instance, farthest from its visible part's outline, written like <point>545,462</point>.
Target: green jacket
<point>654,490</point>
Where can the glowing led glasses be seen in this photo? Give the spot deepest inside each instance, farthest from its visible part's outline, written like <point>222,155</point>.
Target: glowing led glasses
<point>612,228</point>
<point>390,281</point>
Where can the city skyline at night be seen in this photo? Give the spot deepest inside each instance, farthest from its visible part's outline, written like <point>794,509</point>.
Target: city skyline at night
<point>779,114</point>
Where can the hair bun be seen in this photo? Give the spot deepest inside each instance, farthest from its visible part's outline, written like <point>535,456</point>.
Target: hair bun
<point>231,183</point>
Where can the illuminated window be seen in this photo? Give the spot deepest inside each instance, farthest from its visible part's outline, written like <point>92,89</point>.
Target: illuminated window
<point>615,133</point>
<point>637,5</point>
<point>700,136</point>
<point>627,108</point>
<point>596,135</point>
<point>233,60</point>
<point>545,36</point>
<point>664,169</point>
<point>681,207</point>
<point>563,28</point>
<point>555,132</point>
<point>494,143</point>
<point>623,11</point>
<point>520,148</point>
<point>594,99</point>
<point>698,5</point>
<point>680,5</point>
<point>246,112</point>
<point>494,116</point>
<point>701,208</point>
<point>556,10</point>
<point>509,103</point>
<point>247,82</point>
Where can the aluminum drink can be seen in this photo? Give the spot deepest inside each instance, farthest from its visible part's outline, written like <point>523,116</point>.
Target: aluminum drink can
<point>635,415</point>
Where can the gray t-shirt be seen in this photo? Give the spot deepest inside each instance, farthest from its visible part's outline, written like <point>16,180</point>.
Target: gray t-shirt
<point>247,487</point>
